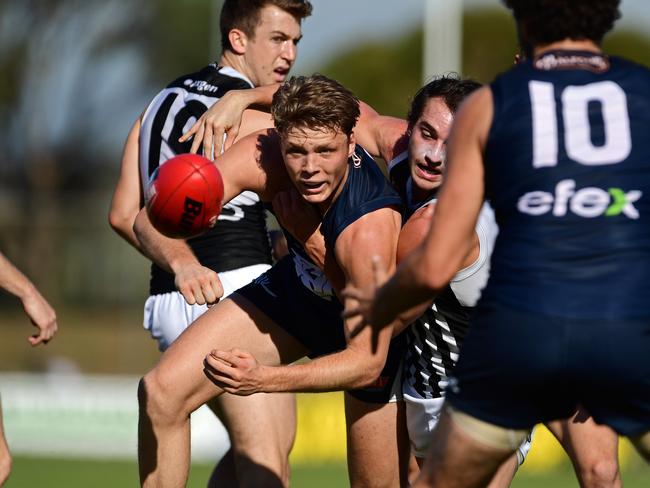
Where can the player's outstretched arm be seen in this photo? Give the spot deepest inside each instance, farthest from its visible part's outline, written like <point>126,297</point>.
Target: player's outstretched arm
<point>356,366</point>
<point>39,311</point>
<point>430,267</point>
<point>127,198</point>
<point>243,167</point>
<point>382,136</point>
<point>226,118</point>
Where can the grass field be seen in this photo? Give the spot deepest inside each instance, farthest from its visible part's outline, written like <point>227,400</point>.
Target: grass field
<point>55,473</point>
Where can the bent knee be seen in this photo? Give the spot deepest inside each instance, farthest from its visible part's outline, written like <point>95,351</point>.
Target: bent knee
<point>160,400</point>
<point>602,473</point>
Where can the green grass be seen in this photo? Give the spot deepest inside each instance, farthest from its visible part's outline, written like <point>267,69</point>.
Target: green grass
<point>30,472</point>
<point>54,473</point>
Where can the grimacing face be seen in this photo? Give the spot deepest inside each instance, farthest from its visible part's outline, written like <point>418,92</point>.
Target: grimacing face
<point>427,146</point>
<point>317,163</point>
<point>271,51</point>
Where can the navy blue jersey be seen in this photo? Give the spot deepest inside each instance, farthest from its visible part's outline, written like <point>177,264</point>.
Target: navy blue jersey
<point>567,165</point>
<point>365,190</point>
<point>240,238</point>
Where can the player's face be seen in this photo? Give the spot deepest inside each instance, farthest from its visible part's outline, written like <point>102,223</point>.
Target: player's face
<point>427,145</point>
<point>317,163</point>
<point>271,52</point>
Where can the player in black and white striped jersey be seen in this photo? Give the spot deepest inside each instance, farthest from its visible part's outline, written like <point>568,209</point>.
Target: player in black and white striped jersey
<point>259,41</point>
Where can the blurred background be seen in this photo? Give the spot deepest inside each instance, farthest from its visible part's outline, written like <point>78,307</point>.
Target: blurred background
<point>75,75</point>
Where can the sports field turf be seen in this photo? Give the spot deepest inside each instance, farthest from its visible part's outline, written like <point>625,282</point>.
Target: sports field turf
<point>55,473</point>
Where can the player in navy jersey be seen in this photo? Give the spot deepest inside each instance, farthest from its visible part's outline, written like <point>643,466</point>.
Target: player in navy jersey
<point>559,146</point>
<point>259,39</point>
<point>291,310</point>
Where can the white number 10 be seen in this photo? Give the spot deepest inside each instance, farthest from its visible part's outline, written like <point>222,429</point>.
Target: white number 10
<point>577,131</point>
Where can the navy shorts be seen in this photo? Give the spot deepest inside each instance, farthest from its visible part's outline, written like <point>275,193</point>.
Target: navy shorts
<point>316,323</point>
<point>518,369</point>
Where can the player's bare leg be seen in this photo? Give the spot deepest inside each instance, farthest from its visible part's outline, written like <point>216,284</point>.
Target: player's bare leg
<point>592,448</point>
<point>256,444</point>
<point>177,386</point>
<point>5,455</point>
<point>376,431</point>
<point>457,459</point>
<point>502,478</point>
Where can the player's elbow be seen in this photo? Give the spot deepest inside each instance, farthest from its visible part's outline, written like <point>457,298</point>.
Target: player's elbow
<point>369,372</point>
<point>118,221</point>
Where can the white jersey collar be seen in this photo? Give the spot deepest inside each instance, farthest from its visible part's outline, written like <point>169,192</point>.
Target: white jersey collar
<point>227,70</point>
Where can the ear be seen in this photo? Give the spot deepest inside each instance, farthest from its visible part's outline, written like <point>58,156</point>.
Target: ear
<point>352,142</point>
<point>238,41</point>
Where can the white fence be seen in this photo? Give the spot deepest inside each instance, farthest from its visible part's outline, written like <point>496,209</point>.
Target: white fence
<point>64,415</point>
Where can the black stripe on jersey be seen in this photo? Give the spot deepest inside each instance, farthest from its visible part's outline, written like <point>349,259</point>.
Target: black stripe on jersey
<point>434,340</point>
<point>155,142</point>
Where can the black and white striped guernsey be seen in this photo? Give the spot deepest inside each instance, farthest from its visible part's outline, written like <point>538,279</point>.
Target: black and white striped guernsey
<point>240,237</point>
<point>435,338</point>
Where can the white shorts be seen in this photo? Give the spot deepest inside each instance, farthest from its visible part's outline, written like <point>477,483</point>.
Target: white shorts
<point>422,415</point>
<point>168,314</point>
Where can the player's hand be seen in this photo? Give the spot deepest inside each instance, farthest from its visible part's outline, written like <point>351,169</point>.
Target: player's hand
<point>198,284</point>
<point>42,316</point>
<point>235,371</point>
<point>222,118</point>
<point>364,304</point>
<point>298,217</point>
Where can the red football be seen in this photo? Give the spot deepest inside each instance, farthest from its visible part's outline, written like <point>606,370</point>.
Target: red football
<point>184,195</point>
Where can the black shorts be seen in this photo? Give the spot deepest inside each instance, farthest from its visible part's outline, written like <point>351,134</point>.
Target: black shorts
<point>316,323</point>
<point>517,369</point>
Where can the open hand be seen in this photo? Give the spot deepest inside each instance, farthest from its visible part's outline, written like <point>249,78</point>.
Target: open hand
<point>221,119</point>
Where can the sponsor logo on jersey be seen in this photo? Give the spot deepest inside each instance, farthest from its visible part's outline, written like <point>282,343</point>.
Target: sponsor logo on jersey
<point>588,202</point>
<point>554,61</point>
<point>200,85</point>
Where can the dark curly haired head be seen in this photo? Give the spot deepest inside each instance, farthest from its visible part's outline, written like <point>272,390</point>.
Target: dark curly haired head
<point>542,22</point>
<point>450,87</point>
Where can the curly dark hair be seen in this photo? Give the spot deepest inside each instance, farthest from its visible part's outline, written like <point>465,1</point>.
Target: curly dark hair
<point>314,102</point>
<point>450,87</point>
<point>542,22</point>
<point>245,15</point>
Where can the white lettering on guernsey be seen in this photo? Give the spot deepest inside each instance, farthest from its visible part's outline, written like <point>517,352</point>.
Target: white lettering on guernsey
<point>201,85</point>
<point>587,202</point>
<point>579,146</point>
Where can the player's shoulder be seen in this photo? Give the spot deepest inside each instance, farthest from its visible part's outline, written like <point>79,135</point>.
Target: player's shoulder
<point>211,80</point>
